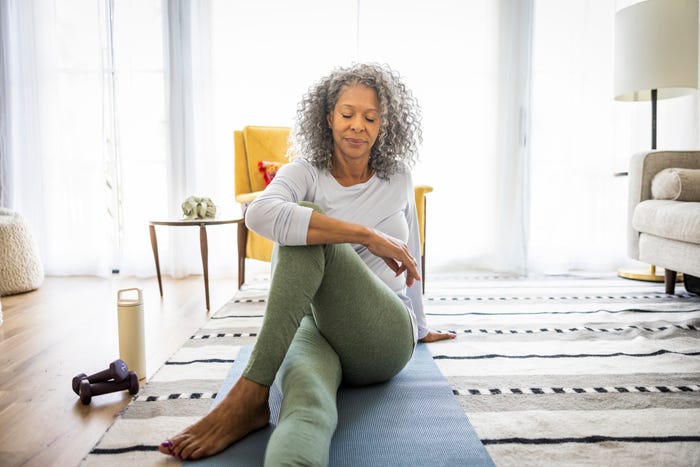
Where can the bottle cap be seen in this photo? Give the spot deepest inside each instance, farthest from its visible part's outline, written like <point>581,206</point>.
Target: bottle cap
<point>129,301</point>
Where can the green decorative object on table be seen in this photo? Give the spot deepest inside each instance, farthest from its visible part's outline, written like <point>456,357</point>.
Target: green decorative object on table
<point>196,207</point>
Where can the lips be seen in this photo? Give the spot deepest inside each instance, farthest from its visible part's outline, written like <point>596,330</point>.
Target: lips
<point>355,142</point>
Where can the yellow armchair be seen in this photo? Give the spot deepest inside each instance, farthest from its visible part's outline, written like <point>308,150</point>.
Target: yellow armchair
<point>261,143</point>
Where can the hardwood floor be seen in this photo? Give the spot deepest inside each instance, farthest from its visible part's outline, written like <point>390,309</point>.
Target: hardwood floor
<point>69,326</point>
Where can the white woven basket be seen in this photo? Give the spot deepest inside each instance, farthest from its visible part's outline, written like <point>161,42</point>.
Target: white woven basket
<point>20,266</point>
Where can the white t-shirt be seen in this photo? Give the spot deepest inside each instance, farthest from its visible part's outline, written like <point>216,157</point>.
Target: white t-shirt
<point>384,205</point>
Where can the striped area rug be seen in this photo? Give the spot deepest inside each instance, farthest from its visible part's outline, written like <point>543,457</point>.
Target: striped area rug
<point>566,370</point>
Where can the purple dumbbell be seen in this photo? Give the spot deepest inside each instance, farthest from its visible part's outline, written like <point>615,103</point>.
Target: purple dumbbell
<point>88,390</point>
<point>118,371</point>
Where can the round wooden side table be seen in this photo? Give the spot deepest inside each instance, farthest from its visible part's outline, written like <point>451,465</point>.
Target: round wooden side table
<point>202,223</point>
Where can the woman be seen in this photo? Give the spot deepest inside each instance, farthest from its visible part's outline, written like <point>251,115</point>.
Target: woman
<point>342,305</point>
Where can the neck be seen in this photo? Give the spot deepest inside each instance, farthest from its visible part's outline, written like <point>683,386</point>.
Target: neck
<point>349,173</point>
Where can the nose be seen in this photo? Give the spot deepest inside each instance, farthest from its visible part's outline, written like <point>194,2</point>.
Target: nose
<point>357,125</point>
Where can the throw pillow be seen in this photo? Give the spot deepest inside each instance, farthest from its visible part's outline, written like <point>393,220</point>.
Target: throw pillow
<point>268,170</point>
<point>676,184</point>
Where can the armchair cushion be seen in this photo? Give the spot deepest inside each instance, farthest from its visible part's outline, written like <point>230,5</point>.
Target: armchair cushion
<point>676,184</point>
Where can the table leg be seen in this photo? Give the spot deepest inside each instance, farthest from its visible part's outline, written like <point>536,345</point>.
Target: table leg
<point>205,259</point>
<point>154,245</point>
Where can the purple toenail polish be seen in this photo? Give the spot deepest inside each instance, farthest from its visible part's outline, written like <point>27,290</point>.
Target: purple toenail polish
<point>167,444</point>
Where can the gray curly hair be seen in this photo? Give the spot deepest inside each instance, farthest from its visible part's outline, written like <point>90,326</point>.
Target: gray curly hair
<point>400,131</point>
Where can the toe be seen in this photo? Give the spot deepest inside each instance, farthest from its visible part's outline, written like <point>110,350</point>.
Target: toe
<point>197,454</point>
<point>186,447</point>
<point>165,447</point>
<point>185,453</point>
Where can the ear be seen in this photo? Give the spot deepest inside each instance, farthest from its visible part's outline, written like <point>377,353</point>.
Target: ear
<point>329,118</point>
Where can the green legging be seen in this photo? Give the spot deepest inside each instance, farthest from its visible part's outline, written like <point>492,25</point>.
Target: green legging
<point>329,319</point>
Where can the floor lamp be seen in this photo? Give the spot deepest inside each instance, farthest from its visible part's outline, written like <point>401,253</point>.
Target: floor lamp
<point>656,57</point>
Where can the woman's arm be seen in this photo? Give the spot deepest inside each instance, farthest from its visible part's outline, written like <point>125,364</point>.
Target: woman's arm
<point>276,213</point>
<point>395,253</point>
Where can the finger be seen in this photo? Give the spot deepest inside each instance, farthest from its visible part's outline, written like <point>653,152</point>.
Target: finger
<point>393,265</point>
<point>413,266</point>
<point>413,270</point>
<point>410,280</point>
<point>400,270</point>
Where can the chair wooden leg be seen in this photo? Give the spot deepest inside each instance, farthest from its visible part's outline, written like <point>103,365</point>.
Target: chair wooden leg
<point>670,281</point>
<point>242,242</point>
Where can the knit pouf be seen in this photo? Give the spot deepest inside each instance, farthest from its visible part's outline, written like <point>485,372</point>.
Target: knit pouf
<point>20,265</point>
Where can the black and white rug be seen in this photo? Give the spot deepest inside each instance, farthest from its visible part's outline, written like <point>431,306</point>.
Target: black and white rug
<point>566,370</point>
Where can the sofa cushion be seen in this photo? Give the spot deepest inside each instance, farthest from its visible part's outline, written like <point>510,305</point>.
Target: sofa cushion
<point>670,254</point>
<point>677,220</point>
<point>676,184</point>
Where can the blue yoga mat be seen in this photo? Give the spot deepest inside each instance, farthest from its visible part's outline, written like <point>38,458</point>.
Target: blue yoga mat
<point>413,419</point>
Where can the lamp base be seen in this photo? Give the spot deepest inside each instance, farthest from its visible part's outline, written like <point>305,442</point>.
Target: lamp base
<point>648,274</point>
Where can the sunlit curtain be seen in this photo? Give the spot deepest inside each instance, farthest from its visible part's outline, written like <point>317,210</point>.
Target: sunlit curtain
<point>5,112</point>
<point>114,111</point>
<point>88,149</point>
<point>581,137</point>
<point>468,64</point>
<point>166,50</point>
<point>264,56</point>
<point>140,128</point>
<point>55,146</point>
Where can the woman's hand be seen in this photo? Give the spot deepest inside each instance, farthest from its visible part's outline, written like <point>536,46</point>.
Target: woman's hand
<point>433,336</point>
<point>395,254</point>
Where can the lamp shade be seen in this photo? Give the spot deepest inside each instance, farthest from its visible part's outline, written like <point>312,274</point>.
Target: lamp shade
<point>656,47</point>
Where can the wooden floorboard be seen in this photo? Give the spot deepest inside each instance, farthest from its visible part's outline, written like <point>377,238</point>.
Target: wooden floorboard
<point>69,326</point>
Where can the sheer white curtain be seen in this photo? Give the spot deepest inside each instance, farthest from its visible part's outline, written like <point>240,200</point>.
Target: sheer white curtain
<point>109,123</point>
<point>5,96</point>
<point>87,125</point>
<point>467,62</point>
<point>140,128</point>
<point>173,120</point>
<point>189,135</point>
<point>581,136</point>
<point>54,147</point>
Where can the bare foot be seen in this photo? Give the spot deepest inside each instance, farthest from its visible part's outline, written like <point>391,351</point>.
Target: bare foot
<point>243,410</point>
<point>433,336</point>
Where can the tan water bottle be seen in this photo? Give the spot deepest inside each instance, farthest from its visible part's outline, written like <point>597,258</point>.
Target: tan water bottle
<point>132,340</point>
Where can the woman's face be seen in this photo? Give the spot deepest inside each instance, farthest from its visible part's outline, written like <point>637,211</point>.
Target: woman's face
<point>355,122</point>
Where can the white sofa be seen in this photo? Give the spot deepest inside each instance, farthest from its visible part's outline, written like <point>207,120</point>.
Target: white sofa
<point>666,232</point>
